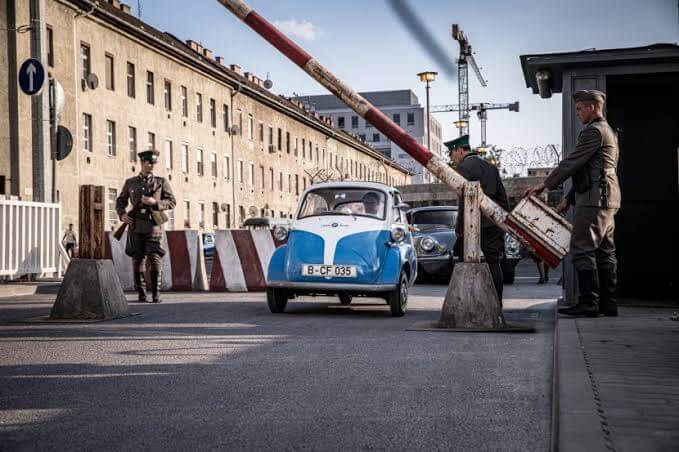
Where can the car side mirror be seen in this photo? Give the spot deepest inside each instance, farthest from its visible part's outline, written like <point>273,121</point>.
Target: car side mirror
<point>403,206</point>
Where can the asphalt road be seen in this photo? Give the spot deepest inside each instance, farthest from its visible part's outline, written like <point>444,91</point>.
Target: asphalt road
<point>218,371</point>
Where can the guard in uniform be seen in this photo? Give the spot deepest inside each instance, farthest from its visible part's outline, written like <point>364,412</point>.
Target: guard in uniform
<point>150,196</point>
<point>596,194</point>
<point>474,168</point>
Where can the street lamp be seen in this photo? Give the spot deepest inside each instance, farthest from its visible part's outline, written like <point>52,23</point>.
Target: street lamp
<point>461,123</point>
<point>427,77</point>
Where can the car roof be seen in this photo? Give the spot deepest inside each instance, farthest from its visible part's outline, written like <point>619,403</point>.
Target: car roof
<point>421,209</point>
<point>354,184</point>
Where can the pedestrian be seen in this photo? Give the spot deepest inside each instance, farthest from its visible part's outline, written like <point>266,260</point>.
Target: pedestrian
<point>150,196</point>
<point>69,241</point>
<point>592,167</point>
<point>474,168</point>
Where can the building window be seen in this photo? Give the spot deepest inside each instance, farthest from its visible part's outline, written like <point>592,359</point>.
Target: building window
<point>213,114</point>
<point>199,162</point>
<point>361,136</point>
<point>199,107</point>
<point>251,174</point>
<point>340,122</point>
<point>87,132</point>
<point>296,146</point>
<point>251,127</point>
<point>227,167</point>
<point>368,125</point>
<point>354,122</point>
<point>215,215</point>
<point>297,184</point>
<point>280,181</point>
<point>261,133</point>
<point>228,216</point>
<point>151,141</point>
<point>167,94</point>
<point>411,119</point>
<point>168,154</point>
<point>50,46</point>
<point>240,171</point>
<point>303,148</point>
<point>187,214</point>
<point>225,117</point>
<point>85,60</point>
<point>185,102</point>
<point>201,206</point>
<point>111,137</point>
<point>170,219</point>
<point>185,158</point>
<point>376,137</point>
<point>397,118</point>
<point>271,179</point>
<point>311,157</point>
<point>261,177</point>
<point>271,136</point>
<point>132,143</point>
<point>111,207</point>
<point>109,72</point>
<point>213,164</point>
<point>131,92</point>
<point>280,139</point>
<point>150,88</point>
<point>239,114</point>
<point>289,183</point>
<point>287,142</point>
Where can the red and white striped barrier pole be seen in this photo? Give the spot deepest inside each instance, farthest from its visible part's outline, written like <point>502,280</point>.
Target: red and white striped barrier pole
<point>380,121</point>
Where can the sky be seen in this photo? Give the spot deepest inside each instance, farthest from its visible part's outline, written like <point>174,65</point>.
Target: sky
<point>365,44</point>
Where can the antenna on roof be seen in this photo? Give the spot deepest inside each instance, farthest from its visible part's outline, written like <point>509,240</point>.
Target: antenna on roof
<point>139,9</point>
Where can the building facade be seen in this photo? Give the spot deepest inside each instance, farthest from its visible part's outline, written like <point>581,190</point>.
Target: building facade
<point>230,148</point>
<point>402,107</point>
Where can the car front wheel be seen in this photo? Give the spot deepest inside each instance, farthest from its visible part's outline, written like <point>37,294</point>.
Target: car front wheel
<point>398,298</point>
<point>277,299</point>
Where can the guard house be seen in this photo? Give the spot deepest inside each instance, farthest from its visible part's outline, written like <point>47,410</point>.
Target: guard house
<point>642,88</point>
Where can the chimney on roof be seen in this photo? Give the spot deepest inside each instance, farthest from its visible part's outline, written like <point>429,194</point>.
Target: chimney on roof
<point>235,68</point>
<point>114,3</point>
<point>257,80</point>
<point>220,60</point>
<point>194,46</point>
<point>250,77</point>
<point>125,8</point>
<point>207,53</point>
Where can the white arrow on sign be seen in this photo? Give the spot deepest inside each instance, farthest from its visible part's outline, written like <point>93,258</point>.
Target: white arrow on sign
<point>31,70</point>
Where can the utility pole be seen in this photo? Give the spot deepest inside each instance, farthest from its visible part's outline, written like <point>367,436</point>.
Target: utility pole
<point>39,107</point>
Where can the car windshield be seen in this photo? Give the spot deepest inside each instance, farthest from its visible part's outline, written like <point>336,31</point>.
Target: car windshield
<point>434,217</point>
<point>343,201</point>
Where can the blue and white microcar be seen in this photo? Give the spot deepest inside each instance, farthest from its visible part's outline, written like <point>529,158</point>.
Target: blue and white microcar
<point>347,239</point>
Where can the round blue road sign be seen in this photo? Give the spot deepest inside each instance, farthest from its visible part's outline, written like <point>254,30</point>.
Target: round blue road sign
<point>31,76</point>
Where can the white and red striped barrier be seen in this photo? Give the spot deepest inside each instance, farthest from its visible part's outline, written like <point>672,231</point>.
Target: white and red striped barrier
<point>241,260</point>
<point>183,266</point>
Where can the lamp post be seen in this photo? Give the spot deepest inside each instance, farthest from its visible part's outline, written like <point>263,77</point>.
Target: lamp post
<point>427,77</point>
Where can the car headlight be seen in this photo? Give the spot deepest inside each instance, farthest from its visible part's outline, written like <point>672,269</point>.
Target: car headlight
<point>512,246</point>
<point>398,234</point>
<point>281,233</point>
<point>428,244</point>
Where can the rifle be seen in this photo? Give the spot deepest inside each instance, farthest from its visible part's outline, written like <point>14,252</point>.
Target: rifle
<point>118,234</point>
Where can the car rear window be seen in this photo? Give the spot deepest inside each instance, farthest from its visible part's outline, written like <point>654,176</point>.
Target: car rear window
<point>444,217</point>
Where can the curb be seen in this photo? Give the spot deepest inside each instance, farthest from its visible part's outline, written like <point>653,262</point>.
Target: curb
<point>554,446</point>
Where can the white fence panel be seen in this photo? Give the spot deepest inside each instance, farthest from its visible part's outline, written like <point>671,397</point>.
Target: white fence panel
<point>29,237</point>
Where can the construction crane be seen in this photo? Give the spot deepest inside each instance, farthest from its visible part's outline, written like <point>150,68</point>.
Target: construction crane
<point>481,112</point>
<point>465,60</point>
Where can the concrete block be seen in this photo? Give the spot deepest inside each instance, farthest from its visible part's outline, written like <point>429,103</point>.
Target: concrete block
<point>90,290</point>
<point>471,300</point>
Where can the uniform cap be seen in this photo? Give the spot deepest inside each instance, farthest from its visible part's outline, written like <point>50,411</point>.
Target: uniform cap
<point>150,156</point>
<point>460,142</point>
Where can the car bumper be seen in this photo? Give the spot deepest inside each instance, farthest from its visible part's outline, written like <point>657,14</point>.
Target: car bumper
<point>435,265</point>
<point>330,287</point>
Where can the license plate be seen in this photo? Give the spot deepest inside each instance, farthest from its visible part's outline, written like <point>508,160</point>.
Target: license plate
<point>330,271</point>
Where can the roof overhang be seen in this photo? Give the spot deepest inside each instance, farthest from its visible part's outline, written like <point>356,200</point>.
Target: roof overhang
<point>543,73</point>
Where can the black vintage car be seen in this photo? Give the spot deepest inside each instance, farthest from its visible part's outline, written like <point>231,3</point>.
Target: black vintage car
<point>434,238</point>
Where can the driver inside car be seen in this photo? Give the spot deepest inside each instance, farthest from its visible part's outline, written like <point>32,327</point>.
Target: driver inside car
<point>371,201</point>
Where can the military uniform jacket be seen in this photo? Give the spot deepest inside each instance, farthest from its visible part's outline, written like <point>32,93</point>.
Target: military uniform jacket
<point>474,168</point>
<point>134,189</point>
<point>592,166</point>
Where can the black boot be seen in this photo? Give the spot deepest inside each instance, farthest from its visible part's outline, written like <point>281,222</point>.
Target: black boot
<point>608,280</point>
<point>155,287</point>
<point>588,283</point>
<point>140,287</point>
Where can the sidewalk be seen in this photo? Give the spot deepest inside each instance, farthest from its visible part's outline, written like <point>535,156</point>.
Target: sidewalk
<point>26,289</point>
<point>619,382</point>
